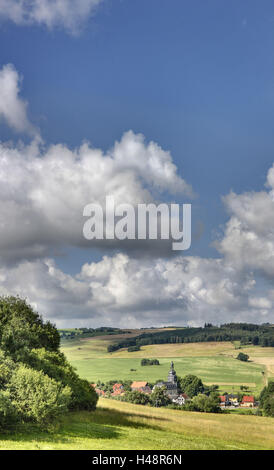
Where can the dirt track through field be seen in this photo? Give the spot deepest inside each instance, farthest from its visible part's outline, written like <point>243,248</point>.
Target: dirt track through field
<point>268,362</point>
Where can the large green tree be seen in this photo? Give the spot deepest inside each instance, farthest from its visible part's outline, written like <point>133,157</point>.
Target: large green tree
<point>21,329</point>
<point>191,385</point>
<point>207,404</point>
<point>36,381</point>
<point>159,397</point>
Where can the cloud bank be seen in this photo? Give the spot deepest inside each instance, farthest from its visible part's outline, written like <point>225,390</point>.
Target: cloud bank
<point>123,291</point>
<point>43,190</point>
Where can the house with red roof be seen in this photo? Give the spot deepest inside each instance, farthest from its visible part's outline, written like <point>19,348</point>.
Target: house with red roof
<point>118,389</point>
<point>248,401</point>
<point>224,401</point>
<point>140,386</point>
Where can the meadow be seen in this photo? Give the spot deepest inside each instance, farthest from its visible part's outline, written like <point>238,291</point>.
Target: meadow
<point>214,363</point>
<point>119,426</point>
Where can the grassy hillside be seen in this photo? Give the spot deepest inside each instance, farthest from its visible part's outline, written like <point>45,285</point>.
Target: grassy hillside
<point>213,362</point>
<point>117,425</point>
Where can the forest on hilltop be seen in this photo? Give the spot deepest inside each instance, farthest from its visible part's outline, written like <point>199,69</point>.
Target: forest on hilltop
<point>246,333</point>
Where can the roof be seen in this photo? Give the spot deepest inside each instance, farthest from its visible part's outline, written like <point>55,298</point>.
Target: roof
<point>117,391</point>
<point>146,389</point>
<point>223,398</point>
<point>248,399</point>
<point>117,386</point>
<point>184,395</point>
<point>138,384</point>
<point>100,392</point>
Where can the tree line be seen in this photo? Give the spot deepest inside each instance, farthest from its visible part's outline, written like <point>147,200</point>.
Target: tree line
<point>246,333</point>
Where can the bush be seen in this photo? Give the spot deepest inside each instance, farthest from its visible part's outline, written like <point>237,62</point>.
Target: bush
<point>207,404</point>
<point>55,365</point>
<point>242,357</point>
<point>36,397</point>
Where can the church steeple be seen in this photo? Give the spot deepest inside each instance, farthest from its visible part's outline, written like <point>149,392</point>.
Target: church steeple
<point>172,378</point>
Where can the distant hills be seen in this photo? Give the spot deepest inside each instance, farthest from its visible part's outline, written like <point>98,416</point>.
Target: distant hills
<point>245,333</point>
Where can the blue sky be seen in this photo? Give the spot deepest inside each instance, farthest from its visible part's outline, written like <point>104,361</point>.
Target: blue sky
<point>197,77</point>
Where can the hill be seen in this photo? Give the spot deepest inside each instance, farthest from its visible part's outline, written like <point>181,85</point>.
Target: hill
<point>117,425</point>
<point>246,333</point>
<point>214,362</point>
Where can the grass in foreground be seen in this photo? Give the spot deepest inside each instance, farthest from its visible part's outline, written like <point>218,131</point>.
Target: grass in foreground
<point>116,425</point>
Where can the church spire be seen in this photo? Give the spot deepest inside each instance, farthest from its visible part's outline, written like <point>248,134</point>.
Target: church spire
<point>172,378</point>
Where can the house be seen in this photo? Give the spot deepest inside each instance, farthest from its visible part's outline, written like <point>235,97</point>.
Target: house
<point>224,401</point>
<point>181,399</point>
<point>99,392</point>
<point>118,387</point>
<point>140,386</point>
<point>146,389</point>
<point>233,399</point>
<point>171,384</point>
<point>248,401</point>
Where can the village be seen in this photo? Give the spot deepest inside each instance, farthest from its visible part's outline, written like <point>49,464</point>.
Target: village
<point>171,389</point>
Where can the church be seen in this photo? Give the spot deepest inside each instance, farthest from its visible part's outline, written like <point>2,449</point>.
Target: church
<point>171,384</point>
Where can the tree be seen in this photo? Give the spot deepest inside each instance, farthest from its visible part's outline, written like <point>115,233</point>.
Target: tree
<point>7,368</point>
<point>208,389</point>
<point>36,397</point>
<point>267,400</point>
<point>133,348</point>
<point>150,362</point>
<point>8,415</point>
<point>242,357</point>
<point>137,397</point>
<point>55,365</point>
<point>159,397</point>
<point>207,404</point>
<point>22,329</point>
<point>191,385</point>
<point>36,381</point>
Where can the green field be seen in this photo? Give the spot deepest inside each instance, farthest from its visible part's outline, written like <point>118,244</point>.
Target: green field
<point>117,425</point>
<point>214,363</point>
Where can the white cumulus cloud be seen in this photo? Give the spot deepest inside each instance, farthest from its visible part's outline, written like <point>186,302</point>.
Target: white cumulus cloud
<point>44,191</point>
<point>69,14</point>
<point>248,241</point>
<point>121,291</point>
<point>13,109</point>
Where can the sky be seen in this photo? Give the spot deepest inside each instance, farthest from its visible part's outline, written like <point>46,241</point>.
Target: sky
<point>150,101</point>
